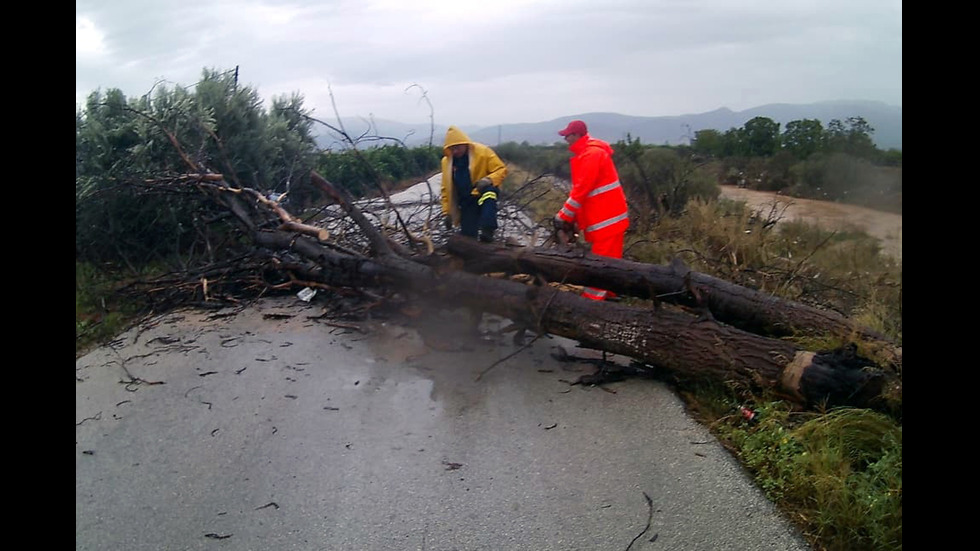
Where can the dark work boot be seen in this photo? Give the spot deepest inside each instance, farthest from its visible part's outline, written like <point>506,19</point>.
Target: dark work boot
<point>486,235</point>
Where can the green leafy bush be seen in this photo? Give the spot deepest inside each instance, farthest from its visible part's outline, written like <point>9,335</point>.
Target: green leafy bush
<point>361,172</point>
<point>125,148</point>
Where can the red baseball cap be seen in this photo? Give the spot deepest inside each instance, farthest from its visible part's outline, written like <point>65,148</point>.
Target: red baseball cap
<point>574,127</point>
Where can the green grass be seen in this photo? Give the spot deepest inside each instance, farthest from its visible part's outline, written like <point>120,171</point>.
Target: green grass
<point>836,474</point>
<point>793,260</point>
<point>98,315</point>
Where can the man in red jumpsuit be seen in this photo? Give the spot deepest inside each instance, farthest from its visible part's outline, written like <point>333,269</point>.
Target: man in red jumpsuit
<point>596,204</point>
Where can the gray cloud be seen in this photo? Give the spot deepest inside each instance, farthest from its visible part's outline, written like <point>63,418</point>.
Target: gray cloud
<point>505,61</point>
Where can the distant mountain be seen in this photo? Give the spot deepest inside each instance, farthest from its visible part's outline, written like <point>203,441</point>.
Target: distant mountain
<point>886,120</point>
<point>411,134</point>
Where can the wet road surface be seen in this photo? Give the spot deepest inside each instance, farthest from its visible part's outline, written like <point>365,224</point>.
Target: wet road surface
<point>270,429</point>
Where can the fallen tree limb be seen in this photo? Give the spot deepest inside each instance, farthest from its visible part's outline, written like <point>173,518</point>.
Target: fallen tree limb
<point>687,344</point>
<point>735,305</point>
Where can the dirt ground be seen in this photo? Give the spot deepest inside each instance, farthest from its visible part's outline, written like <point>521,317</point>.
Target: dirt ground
<point>885,226</point>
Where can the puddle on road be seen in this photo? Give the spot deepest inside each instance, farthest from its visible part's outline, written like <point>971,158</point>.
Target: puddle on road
<point>442,348</point>
<point>395,344</point>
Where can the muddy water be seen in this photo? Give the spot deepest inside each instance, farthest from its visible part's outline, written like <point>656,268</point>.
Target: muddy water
<point>887,227</point>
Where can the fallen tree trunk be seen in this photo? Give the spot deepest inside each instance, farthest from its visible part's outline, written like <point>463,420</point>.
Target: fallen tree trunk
<point>688,345</point>
<point>735,305</point>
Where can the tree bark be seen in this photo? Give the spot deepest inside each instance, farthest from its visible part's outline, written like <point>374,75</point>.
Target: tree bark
<point>685,343</point>
<point>744,308</point>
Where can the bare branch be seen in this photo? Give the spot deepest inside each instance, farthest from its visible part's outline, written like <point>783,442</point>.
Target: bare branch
<point>425,96</point>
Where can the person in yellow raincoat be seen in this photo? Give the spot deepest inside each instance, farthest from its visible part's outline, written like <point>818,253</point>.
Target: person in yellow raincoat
<point>471,177</point>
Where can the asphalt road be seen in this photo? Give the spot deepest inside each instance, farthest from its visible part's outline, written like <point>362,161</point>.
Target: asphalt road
<point>270,429</point>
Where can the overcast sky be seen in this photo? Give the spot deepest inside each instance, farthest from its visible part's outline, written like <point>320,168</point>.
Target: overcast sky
<point>487,62</point>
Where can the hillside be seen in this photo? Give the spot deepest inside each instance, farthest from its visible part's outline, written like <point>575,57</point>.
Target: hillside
<point>673,130</point>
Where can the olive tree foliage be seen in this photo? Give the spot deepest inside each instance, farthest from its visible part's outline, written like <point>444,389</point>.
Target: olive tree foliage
<point>777,173</point>
<point>116,150</point>
<point>852,136</point>
<point>756,138</point>
<point>803,138</point>
<point>537,159</point>
<point>660,180</point>
<point>125,147</point>
<point>362,171</point>
<point>708,142</point>
<point>761,135</point>
<point>841,176</point>
<point>838,163</point>
<point>734,143</point>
